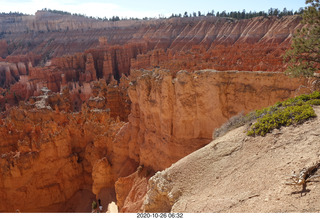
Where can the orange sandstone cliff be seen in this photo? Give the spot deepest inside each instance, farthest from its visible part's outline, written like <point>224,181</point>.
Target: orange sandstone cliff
<point>50,154</point>
<point>75,49</point>
<point>92,124</point>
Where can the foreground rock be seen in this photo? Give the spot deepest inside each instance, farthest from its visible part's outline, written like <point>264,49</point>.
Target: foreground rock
<point>236,173</point>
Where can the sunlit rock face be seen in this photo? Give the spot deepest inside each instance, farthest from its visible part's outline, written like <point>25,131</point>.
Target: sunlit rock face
<point>173,114</point>
<point>50,155</point>
<point>61,50</point>
<point>88,122</point>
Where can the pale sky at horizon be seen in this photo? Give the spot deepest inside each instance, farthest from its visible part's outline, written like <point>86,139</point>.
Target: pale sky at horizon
<point>145,8</point>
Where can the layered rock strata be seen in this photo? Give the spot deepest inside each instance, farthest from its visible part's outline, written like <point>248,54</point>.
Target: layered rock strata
<point>70,141</point>
<point>174,114</point>
<point>114,48</point>
<point>53,155</point>
<point>50,156</point>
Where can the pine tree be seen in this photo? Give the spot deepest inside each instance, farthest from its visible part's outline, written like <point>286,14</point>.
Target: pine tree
<point>304,56</point>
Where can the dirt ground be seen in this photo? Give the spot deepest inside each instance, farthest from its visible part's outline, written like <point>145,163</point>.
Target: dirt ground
<point>238,173</point>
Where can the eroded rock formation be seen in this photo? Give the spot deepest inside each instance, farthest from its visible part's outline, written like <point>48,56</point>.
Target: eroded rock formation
<point>48,155</point>
<point>174,114</point>
<point>114,48</point>
<point>74,136</point>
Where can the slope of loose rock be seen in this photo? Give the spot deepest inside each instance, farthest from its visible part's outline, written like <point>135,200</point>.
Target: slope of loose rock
<point>237,173</point>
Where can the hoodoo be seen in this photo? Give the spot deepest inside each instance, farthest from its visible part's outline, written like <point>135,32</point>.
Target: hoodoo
<point>92,109</point>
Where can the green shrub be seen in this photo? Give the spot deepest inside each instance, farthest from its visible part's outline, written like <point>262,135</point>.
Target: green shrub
<point>314,102</point>
<point>292,111</point>
<point>94,205</point>
<point>315,95</point>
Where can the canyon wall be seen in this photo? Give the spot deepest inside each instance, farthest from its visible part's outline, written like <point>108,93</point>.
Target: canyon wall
<point>91,122</point>
<point>49,157</point>
<point>175,44</point>
<point>49,154</point>
<point>174,114</point>
<point>66,35</point>
<point>222,44</point>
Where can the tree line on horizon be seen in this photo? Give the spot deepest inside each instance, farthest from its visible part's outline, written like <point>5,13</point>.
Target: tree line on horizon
<point>233,14</point>
<point>242,15</point>
<point>303,58</point>
<point>15,13</point>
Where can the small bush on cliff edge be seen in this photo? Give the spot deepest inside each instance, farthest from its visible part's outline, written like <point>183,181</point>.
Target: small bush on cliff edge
<point>292,111</point>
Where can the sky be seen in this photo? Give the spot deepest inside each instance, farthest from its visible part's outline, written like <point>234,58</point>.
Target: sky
<point>145,8</point>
